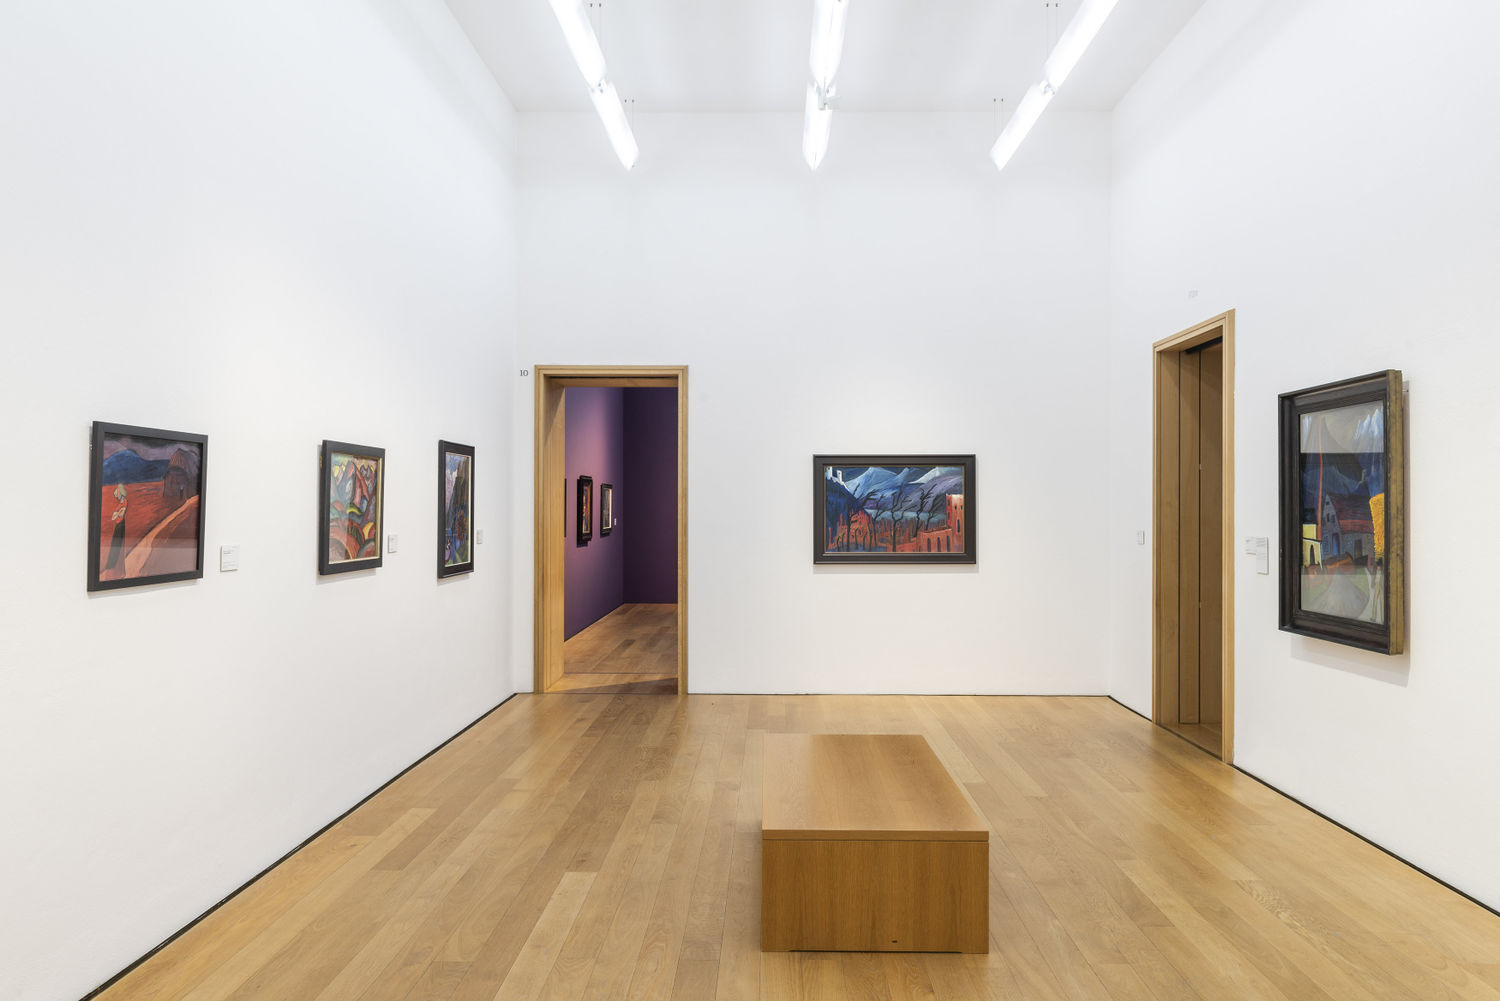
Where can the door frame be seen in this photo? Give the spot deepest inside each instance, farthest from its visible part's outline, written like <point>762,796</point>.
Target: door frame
<point>550,517</point>
<point>1165,549</point>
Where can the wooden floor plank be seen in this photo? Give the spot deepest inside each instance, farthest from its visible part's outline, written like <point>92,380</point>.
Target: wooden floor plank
<point>545,942</point>
<point>607,847</point>
<point>631,651</point>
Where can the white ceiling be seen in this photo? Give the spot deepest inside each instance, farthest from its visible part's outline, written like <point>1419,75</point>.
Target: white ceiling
<point>751,55</point>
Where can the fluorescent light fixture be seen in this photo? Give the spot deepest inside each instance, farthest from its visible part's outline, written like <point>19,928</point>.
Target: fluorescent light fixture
<point>1065,55</point>
<point>1075,38</point>
<point>816,124</point>
<point>616,125</point>
<point>584,44</point>
<point>827,50</point>
<point>1031,108</point>
<point>827,39</point>
<point>581,39</point>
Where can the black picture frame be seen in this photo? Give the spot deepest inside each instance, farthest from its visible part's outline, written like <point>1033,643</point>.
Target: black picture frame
<point>355,486</point>
<point>1349,541</point>
<point>455,509</point>
<point>156,511</point>
<point>848,528</point>
<point>606,509</point>
<point>585,511</point>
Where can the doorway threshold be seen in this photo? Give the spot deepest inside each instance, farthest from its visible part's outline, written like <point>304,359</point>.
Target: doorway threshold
<point>1205,736</point>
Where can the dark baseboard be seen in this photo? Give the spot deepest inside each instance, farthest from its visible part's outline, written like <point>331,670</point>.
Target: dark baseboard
<point>1124,706</point>
<point>306,841</point>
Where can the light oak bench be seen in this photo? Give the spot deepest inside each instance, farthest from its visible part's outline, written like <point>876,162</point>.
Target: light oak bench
<point>868,845</point>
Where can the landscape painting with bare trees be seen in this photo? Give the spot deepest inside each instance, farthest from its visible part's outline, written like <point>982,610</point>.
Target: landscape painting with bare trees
<point>893,509</point>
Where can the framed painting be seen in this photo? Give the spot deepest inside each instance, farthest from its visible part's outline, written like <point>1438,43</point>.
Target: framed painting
<point>893,509</point>
<point>585,511</point>
<point>455,509</point>
<point>606,508</point>
<point>145,505</point>
<point>351,507</point>
<point>1343,512</point>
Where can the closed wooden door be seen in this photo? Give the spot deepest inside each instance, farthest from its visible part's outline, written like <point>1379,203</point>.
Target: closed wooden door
<point>1200,528</point>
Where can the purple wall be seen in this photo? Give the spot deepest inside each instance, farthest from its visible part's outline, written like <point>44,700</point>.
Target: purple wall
<point>593,575</point>
<point>627,437</point>
<point>651,464</point>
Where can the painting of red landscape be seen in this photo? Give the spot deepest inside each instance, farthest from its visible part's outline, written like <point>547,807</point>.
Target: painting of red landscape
<point>145,506</point>
<point>893,509</point>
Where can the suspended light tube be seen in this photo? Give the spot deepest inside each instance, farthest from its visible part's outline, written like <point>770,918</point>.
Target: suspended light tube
<point>616,125</point>
<point>584,45</point>
<point>827,39</point>
<point>1032,105</point>
<point>1070,47</point>
<point>1076,37</point>
<point>817,121</point>
<point>823,65</point>
<point>582,42</point>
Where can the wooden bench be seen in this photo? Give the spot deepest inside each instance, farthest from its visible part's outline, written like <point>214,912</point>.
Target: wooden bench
<point>868,845</point>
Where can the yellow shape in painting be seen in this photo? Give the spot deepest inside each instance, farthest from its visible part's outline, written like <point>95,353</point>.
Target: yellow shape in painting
<point>1312,548</point>
<point>1377,520</point>
<point>369,531</point>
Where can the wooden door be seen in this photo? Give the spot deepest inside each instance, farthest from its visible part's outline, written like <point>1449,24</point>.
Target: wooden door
<point>1193,468</point>
<point>1200,497</point>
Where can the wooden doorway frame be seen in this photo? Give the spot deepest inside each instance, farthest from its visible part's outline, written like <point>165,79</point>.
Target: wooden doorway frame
<point>1164,563</point>
<point>550,488</point>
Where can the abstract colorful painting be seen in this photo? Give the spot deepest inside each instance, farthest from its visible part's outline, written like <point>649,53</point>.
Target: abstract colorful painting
<point>1342,512</point>
<point>893,509</point>
<point>455,508</point>
<point>585,509</point>
<point>145,506</point>
<point>606,508</point>
<point>350,501</point>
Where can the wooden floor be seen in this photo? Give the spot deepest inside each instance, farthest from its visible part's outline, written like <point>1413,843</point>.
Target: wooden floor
<point>1209,736</point>
<point>607,847</point>
<point>632,650</point>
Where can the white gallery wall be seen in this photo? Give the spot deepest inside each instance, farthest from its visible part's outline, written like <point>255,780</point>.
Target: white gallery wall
<point>272,224</point>
<point>1327,169</point>
<point>904,298</point>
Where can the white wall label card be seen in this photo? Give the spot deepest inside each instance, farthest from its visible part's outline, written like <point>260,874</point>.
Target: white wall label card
<point>229,558</point>
<point>1262,555</point>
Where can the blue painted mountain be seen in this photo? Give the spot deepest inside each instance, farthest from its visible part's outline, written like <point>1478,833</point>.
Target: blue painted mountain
<point>1359,474</point>
<point>877,490</point>
<point>127,467</point>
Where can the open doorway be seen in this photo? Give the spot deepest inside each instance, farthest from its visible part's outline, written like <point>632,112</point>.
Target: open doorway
<point>611,529</point>
<point>1193,528</point>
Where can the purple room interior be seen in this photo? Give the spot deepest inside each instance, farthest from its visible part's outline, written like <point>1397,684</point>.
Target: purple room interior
<point>627,438</point>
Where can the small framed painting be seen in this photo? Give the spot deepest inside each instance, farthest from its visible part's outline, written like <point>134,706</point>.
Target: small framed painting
<point>145,506</point>
<point>351,507</point>
<point>606,508</point>
<point>585,510</point>
<point>455,509</point>
<point>894,509</point>
<point>1343,512</point>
